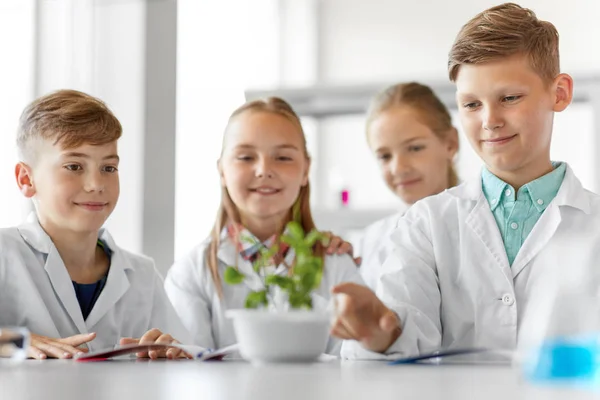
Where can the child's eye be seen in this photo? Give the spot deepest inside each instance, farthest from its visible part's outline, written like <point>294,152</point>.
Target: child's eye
<point>415,148</point>
<point>73,167</point>
<point>511,98</point>
<point>244,158</point>
<point>110,169</point>
<point>384,157</point>
<point>284,158</point>
<point>472,105</point>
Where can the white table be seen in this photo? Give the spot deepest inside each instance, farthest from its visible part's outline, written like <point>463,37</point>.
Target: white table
<point>65,380</point>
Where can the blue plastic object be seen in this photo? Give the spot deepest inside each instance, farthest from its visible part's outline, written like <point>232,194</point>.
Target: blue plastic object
<point>565,360</point>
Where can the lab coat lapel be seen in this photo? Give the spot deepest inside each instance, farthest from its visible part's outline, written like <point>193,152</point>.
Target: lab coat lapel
<point>61,283</point>
<point>542,232</point>
<point>63,287</point>
<point>570,194</point>
<point>482,223</point>
<point>117,282</point>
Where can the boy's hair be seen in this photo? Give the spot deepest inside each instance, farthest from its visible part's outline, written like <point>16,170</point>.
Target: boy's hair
<point>69,118</point>
<point>503,31</point>
<point>427,107</point>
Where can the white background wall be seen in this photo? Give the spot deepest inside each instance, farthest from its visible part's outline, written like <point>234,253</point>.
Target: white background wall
<point>401,39</point>
<point>16,89</point>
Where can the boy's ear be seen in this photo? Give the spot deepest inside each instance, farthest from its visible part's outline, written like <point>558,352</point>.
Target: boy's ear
<point>563,85</point>
<point>25,179</point>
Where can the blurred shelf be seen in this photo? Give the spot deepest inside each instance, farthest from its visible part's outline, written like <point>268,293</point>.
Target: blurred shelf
<point>329,100</point>
<point>346,219</point>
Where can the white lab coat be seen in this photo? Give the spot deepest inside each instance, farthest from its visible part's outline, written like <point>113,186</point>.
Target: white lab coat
<point>191,289</point>
<point>449,279</point>
<point>36,292</point>
<point>375,246</point>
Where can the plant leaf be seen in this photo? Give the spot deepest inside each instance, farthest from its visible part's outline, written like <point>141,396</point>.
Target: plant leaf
<point>258,265</point>
<point>256,299</point>
<point>232,276</point>
<point>269,253</point>
<point>303,258</point>
<point>284,282</point>
<point>312,238</point>
<point>249,239</point>
<point>308,281</point>
<point>293,242</point>
<point>319,262</point>
<point>307,267</point>
<point>300,300</point>
<point>295,230</point>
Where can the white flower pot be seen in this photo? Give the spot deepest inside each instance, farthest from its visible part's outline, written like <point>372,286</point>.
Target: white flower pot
<point>291,336</point>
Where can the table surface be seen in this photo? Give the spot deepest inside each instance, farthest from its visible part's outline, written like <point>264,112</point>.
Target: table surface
<point>161,379</point>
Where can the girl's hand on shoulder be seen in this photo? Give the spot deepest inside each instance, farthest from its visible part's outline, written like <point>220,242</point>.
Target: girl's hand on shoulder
<point>337,245</point>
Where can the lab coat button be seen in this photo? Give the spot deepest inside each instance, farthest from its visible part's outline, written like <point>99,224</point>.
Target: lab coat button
<point>508,300</point>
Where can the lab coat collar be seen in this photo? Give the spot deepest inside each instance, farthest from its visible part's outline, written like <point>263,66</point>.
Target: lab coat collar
<point>571,192</point>
<point>117,282</point>
<point>33,234</point>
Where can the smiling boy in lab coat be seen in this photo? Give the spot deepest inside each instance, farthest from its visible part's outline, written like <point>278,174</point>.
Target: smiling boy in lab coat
<point>466,261</point>
<point>61,274</point>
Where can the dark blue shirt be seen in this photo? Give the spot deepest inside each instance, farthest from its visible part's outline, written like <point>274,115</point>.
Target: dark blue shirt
<point>88,293</point>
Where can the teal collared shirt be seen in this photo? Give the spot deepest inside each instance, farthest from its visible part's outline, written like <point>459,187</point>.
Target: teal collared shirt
<point>517,215</point>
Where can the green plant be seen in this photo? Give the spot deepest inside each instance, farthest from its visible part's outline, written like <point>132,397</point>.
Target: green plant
<point>304,276</point>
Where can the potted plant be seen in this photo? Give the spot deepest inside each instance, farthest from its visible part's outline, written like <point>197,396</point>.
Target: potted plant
<point>279,322</point>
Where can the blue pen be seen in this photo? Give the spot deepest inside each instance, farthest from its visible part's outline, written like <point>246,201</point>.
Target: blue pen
<point>206,351</point>
<point>438,354</point>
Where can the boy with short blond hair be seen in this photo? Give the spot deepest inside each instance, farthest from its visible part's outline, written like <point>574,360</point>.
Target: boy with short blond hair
<point>61,274</point>
<point>466,261</point>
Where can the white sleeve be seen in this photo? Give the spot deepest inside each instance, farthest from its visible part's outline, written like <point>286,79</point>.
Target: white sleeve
<point>187,292</point>
<point>372,265</point>
<point>368,263</point>
<point>345,270</point>
<point>164,316</point>
<point>409,286</point>
<point>380,247</point>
